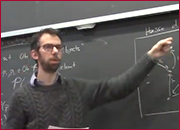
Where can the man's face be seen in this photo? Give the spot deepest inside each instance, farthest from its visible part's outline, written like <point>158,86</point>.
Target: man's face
<point>49,54</point>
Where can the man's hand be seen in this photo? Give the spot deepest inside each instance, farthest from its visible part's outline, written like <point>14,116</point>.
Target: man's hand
<point>160,48</point>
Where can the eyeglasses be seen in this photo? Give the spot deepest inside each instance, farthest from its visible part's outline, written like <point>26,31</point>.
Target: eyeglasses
<point>50,47</point>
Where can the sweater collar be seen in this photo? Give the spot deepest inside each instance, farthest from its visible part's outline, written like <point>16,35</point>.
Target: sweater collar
<point>34,81</point>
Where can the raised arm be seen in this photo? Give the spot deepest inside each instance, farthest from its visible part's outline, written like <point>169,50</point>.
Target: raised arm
<point>101,92</point>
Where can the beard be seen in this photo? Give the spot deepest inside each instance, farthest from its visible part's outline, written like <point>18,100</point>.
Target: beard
<point>47,66</point>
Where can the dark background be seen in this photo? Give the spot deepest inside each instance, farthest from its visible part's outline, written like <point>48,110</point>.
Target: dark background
<point>103,52</point>
<point>17,15</point>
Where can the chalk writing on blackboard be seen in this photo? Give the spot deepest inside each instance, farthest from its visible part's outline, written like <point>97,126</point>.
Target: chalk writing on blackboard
<point>169,67</point>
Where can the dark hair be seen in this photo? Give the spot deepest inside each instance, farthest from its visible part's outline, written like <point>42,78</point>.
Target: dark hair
<point>35,38</point>
<point>34,43</point>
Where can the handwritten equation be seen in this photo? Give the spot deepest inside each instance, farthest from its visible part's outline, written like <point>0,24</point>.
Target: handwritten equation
<point>4,110</point>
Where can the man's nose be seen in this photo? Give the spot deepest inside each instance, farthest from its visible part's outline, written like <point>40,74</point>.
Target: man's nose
<point>55,50</point>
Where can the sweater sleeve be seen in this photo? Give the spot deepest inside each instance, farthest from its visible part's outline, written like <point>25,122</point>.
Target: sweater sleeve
<point>15,117</point>
<point>98,93</point>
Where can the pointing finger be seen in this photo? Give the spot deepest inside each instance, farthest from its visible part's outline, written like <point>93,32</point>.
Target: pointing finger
<point>166,41</point>
<point>169,39</point>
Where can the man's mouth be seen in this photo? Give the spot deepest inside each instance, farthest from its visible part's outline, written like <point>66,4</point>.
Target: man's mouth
<point>54,61</point>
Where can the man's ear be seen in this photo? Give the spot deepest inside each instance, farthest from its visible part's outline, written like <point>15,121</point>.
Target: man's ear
<point>34,55</point>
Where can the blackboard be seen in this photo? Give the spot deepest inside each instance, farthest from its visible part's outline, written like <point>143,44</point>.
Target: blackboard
<point>52,12</point>
<point>106,51</point>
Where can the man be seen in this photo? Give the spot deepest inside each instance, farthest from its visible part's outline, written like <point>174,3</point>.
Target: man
<point>50,100</point>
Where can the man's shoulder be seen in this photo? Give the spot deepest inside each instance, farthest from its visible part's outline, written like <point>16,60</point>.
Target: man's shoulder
<point>73,80</point>
<point>82,82</point>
